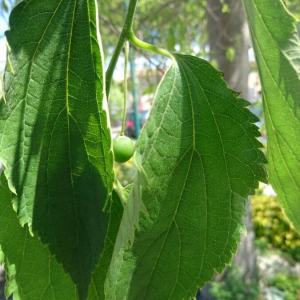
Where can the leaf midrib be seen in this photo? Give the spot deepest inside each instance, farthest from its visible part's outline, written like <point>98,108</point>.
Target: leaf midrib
<point>284,163</point>
<point>265,61</point>
<point>224,156</point>
<point>194,150</point>
<point>100,109</point>
<point>274,81</point>
<point>27,89</point>
<point>266,102</point>
<point>69,135</point>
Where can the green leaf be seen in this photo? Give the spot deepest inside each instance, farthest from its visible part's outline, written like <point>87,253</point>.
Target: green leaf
<point>32,272</point>
<point>30,265</point>
<point>132,197</point>
<point>54,134</point>
<point>277,50</point>
<point>96,291</point>
<point>200,153</point>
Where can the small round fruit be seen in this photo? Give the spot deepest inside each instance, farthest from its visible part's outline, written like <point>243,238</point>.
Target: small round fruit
<point>123,148</point>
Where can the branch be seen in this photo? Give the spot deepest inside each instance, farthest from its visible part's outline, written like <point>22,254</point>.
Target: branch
<point>117,32</point>
<point>122,39</point>
<point>156,11</point>
<point>111,26</point>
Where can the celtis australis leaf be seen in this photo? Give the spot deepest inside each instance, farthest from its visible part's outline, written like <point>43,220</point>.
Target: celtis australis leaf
<point>32,272</point>
<point>277,51</point>
<point>202,159</point>
<point>54,134</point>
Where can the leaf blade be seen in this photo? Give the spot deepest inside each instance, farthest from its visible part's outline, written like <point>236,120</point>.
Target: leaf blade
<point>54,130</point>
<point>96,290</point>
<point>32,271</point>
<point>278,58</point>
<point>201,156</point>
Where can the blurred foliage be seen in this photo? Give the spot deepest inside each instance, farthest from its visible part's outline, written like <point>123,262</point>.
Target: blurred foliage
<point>5,8</point>
<point>289,284</point>
<point>125,172</point>
<point>272,226</point>
<point>172,24</point>
<point>234,287</point>
<point>175,25</point>
<point>115,103</point>
<point>230,54</point>
<point>294,7</point>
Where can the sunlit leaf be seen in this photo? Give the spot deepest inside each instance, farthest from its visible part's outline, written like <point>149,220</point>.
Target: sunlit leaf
<point>277,50</point>
<point>202,159</point>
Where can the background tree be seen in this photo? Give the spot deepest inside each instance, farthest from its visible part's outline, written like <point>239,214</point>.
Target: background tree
<point>229,41</point>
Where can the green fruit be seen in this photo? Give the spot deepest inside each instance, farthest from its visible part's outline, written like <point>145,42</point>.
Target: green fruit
<point>123,148</point>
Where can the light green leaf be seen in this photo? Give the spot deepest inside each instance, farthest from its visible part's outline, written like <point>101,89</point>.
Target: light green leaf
<point>32,272</point>
<point>277,50</point>
<point>96,291</point>
<point>133,206</point>
<point>54,134</point>
<point>123,192</point>
<point>201,156</point>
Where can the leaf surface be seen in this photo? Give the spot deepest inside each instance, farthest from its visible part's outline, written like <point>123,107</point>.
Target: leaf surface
<point>132,197</point>
<point>277,51</point>
<point>54,134</point>
<point>32,272</point>
<point>96,291</point>
<point>202,159</point>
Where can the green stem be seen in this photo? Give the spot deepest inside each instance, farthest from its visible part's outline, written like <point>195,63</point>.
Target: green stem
<point>122,39</point>
<point>140,44</point>
<point>125,86</point>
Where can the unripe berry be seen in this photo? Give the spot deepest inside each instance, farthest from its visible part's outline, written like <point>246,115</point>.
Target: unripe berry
<point>123,148</point>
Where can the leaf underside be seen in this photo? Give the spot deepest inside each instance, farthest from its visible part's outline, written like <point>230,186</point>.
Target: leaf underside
<point>277,51</point>
<point>96,290</point>
<point>202,159</point>
<point>32,272</point>
<point>54,137</point>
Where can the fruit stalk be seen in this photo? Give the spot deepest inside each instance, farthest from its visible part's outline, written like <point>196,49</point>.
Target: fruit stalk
<point>125,87</point>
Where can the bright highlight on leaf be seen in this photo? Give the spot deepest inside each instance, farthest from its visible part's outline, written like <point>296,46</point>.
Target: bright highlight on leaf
<point>54,137</point>
<point>201,156</point>
<point>277,50</point>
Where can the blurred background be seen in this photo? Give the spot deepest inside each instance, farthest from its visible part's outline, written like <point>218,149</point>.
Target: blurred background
<point>267,265</point>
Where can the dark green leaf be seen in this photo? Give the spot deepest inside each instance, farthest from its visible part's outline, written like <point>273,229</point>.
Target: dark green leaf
<point>277,50</point>
<point>96,291</point>
<point>201,156</point>
<point>32,272</point>
<point>54,137</point>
